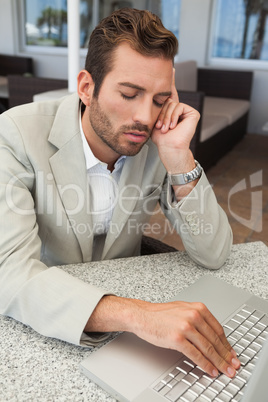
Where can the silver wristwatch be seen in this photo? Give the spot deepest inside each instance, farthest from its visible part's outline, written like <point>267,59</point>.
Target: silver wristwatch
<point>184,178</point>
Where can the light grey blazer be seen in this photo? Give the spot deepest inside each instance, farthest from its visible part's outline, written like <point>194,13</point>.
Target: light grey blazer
<point>46,221</point>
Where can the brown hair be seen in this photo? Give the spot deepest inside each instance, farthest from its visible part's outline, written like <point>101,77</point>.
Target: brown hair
<point>143,31</point>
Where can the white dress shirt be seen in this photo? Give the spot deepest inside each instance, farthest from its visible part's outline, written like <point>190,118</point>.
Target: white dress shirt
<point>103,187</point>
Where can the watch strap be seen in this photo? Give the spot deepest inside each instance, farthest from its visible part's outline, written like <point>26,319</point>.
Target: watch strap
<point>185,178</point>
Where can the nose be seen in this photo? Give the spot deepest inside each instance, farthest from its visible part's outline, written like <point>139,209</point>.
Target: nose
<point>144,113</point>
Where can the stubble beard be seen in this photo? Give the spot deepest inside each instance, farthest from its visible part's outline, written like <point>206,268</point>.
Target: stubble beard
<point>103,128</point>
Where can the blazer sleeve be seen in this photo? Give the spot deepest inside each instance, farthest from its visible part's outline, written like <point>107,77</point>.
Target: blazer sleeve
<point>201,223</point>
<point>52,302</point>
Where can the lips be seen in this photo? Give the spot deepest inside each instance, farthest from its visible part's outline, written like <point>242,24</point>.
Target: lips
<point>136,136</point>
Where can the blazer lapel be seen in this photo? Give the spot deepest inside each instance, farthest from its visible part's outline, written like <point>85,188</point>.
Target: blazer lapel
<point>69,170</point>
<point>128,192</point>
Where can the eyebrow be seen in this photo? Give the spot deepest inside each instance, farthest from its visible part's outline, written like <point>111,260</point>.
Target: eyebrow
<point>138,87</point>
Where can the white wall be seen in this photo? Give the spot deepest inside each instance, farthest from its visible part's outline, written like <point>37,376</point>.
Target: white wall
<point>7,33</point>
<point>194,30</point>
<point>194,38</point>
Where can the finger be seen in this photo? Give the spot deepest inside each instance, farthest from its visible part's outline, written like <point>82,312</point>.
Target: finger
<point>174,93</point>
<point>163,111</point>
<point>223,349</point>
<point>173,97</point>
<point>216,326</point>
<point>169,115</point>
<point>192,352</point>
<point>164,118</point>
<point>211,355</point>
<point>216,349</point>
<point>212,347</point>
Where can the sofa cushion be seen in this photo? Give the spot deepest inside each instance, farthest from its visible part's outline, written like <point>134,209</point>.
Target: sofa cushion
<point>211,125</point>
<point>232,109</point>
<point>186,75</point>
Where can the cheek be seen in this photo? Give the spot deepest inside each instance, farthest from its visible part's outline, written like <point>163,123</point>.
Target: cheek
<point>120,113</point>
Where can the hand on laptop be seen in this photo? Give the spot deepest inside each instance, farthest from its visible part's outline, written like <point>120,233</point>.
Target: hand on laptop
<point>187,327</point>
<point>190,328</point>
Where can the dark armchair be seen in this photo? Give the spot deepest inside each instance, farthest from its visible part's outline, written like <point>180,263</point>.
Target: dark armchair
<point>10,64</point>
<point>22,89</point>
<point>223,99</point>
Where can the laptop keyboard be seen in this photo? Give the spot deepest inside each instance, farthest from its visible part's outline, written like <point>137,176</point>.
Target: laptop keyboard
<point>246,331</point>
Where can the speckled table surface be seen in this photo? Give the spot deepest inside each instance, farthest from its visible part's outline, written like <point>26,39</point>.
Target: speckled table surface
<point>36,368</point>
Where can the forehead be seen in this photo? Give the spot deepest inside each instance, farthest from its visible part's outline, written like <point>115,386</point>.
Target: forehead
<point>152,73</point>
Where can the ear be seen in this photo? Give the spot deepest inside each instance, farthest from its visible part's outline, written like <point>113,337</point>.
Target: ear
<point>85,87</point>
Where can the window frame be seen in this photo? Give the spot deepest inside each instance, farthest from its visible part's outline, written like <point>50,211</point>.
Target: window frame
<point>224,62</point>
<point>45,50</point>
<point>36,49</point>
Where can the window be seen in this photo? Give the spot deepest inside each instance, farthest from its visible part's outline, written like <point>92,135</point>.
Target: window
<point>46,20</point>
<point>170,15</point>
<point>240,30</point>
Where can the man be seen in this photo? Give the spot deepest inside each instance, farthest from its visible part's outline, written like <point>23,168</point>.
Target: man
<point>98,162</point>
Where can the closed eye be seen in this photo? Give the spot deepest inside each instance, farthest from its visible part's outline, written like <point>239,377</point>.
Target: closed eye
<point>158,104</point>
<point>128,97</point>
<point>160,99</point>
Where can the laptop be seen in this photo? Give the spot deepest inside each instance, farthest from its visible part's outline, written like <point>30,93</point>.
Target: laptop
<point>130,369</point>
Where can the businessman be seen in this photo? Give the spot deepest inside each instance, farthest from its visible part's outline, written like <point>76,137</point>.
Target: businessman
<point>76,171</point>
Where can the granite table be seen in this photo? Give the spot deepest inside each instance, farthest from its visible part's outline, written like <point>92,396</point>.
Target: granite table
<point>36,368</point>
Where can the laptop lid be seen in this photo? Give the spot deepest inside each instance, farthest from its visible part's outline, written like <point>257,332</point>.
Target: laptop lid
<point>257,389</point>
